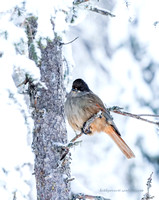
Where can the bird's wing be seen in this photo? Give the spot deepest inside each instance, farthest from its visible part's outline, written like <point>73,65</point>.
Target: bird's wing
<point>94,105</point>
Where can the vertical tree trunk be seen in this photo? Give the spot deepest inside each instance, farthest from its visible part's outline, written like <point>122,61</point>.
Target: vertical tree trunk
<point>51,174</point>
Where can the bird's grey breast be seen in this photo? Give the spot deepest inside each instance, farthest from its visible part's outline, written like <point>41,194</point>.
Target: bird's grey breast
<point>74,110</point>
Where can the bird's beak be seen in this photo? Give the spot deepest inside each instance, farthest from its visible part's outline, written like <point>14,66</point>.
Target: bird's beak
<point>74,89</point>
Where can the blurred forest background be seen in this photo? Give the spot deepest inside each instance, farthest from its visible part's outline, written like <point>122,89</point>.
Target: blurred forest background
<point>118,58</point>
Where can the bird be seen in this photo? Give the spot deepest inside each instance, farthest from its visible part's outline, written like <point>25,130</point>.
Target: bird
<point>81,104</point>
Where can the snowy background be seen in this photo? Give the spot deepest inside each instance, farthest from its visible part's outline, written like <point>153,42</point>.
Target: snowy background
<point>118,58</point>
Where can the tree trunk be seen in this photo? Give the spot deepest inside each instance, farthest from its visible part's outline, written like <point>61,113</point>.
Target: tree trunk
<point>50,131</point>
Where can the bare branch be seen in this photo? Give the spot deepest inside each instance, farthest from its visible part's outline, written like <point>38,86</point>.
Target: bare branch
<point>117,110</point>
<point>147,196</point>
<point>67,148</point>
<point>75,138</point>
<point>148,115</point>
<point>62,43</point>
<point>70,179</point>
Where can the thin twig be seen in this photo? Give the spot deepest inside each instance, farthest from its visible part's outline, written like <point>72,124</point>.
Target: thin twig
<point>69,42</point>
<point>117,110</point>
<point>148,115</point>
<point>76,137</point>
<point>70,179</point>
<point>147,196</point>
<point>67,148</point>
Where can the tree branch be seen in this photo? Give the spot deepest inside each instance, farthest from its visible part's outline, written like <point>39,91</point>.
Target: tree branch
<point>62,43</point>
<point>117,110</point>
<point>147,196</point>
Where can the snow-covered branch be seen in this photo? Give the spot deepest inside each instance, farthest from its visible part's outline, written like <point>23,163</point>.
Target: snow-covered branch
<point>100,11</point>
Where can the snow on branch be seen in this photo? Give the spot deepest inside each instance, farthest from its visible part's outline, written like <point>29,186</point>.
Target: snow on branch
<point>147,196</point>
<point>100,11</point>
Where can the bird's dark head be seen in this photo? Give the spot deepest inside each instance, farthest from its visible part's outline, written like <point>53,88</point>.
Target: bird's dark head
<point>80,85</point>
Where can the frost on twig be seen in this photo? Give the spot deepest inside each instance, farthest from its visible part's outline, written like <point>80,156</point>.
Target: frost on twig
<point>85,129</point>
<point>117,110</point>
<point>147,196</point>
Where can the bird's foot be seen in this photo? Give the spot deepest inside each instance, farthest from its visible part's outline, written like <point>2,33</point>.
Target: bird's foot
<point>86,130</point>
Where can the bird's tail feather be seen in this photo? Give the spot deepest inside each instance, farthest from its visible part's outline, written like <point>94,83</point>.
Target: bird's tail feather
<point>120,142</point>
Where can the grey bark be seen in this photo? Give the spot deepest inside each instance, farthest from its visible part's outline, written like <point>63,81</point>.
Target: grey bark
<point>50,131</point>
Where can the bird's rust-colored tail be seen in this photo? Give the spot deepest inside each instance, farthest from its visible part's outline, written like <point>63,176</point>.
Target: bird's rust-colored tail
<point>120,142</point>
